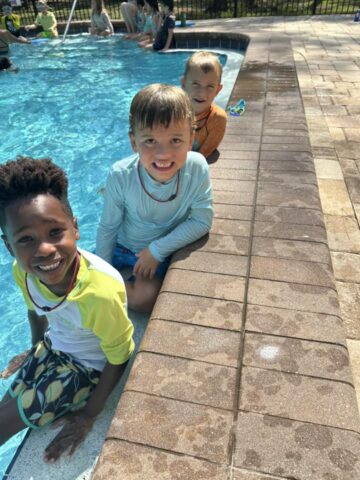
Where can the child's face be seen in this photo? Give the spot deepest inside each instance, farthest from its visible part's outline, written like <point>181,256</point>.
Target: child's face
<point>163,151</point>
<point>201,87</point>
<point>41,7</point>
<point>42,238</point>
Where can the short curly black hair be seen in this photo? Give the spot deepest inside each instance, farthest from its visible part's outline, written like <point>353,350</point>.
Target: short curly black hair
<point>28,177</point>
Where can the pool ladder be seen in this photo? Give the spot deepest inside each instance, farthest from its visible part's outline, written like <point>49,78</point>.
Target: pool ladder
<point>69,20</point>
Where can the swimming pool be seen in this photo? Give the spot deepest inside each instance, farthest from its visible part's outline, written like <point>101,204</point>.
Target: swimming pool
<point>71,102</point>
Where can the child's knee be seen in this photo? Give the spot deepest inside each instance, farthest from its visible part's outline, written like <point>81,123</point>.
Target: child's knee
<point>142,293</point>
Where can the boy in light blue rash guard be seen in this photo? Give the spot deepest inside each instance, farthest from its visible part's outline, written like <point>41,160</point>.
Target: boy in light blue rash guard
<point>158,200</point>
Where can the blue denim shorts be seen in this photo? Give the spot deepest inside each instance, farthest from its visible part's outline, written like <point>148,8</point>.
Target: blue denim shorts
<point>123,257</point>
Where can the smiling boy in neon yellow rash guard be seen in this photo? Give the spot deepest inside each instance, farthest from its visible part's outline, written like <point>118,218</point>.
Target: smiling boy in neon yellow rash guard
<point>81,333</point>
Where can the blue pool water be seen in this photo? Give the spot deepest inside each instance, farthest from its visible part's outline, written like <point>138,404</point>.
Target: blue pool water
<point>70,102</point>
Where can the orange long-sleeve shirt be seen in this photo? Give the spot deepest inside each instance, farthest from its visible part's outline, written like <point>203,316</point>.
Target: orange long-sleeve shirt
<point>209,130</point>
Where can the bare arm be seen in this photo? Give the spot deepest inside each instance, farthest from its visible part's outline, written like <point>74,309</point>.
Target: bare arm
<point>38,326</point>
<point>109,25</point>
<point>77,426</point>
<point>10,38</point>
<point>108,379</point>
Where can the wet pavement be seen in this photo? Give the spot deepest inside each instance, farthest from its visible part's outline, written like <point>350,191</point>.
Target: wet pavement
<point>243,372</point>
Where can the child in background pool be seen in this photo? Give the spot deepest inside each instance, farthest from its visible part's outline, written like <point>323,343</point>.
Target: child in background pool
<point>10,21</point>
<point>159,200</point>
<point>128,12</point>
<point>152,23</point>
<point>139,21</point>
<point>202,82</point>
<point>100,21</point>
<point>78,360</point>
<point>45,22</point>
<point>165,38</point>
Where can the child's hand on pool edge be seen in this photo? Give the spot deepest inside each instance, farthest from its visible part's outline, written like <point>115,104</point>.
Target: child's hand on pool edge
<point>14,365</point>
<point>76,426</point>
<point>146,265</point>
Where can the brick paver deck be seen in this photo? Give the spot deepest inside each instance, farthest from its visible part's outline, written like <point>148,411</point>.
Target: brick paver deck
<point>243,372</point>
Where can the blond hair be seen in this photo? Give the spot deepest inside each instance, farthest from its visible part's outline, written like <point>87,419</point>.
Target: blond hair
<point>159,104</point>
<point>207,61</point>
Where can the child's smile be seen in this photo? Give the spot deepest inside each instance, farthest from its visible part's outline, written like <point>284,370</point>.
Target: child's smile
<point>42,237</point>
<point>51,267</point>
<point>163,150</point>
<point>163,166</point>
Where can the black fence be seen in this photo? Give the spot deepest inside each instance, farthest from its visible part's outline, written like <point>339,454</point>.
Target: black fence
<point>200,9</point>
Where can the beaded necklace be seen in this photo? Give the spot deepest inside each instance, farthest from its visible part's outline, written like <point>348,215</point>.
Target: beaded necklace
<point>68,290</point>
<point>172,197</point>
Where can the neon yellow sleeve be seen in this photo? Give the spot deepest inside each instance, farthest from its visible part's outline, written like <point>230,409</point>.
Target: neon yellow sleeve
<point>105,313</point>
<point>19,276</point>
<point>16,20</point>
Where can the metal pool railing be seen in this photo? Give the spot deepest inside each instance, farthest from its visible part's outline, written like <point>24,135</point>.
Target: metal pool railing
<point>199,9</point>
<point>69,20</point>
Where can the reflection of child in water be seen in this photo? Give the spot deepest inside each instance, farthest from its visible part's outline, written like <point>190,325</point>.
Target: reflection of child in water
<point>45,22</point>
<point>100,21</point>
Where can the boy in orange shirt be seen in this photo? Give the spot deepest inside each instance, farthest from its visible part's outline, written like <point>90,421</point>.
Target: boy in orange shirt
<point>202,82</point>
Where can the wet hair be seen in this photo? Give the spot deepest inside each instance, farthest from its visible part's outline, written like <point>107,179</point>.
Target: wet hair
<point>5,63</point>
<point>29,177</point>
<point>159,104</point>
<point>98,6</point>
<point>153,4</point>
<point>168,3</point>
<point>207,61</point>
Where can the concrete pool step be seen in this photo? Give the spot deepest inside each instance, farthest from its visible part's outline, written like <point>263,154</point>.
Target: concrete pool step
<point>29,464</point>
<point>243,371</point>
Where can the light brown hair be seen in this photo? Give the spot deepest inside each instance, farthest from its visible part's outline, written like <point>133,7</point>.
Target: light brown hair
<point>207,61</point>
<point>159,104</point>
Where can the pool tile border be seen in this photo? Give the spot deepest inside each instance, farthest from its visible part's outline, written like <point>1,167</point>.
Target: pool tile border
<point>267,322</point>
